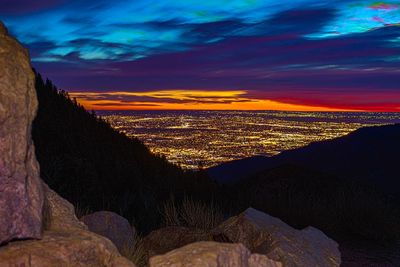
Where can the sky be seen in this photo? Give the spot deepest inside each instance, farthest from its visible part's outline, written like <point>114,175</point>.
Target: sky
<point>220,54</point>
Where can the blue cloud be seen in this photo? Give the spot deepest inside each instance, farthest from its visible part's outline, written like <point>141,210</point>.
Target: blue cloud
<point>358,17</point>
<point>143,29</point>
<point>290,45</point>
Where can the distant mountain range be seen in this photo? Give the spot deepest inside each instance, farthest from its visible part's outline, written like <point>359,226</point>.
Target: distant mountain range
<point>369,155</point>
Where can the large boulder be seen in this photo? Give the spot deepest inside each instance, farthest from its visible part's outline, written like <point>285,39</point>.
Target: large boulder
<point>165,239</point>
<point>62,248</point>
<point>59,214</point>
<point>112,226</point>
<point>24,198</point>
<point>212,254</point>
<point>65,242</point>
<point>21,196</point>
<point>270,236</point>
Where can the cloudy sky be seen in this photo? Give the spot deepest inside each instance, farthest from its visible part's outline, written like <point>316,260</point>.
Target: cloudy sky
<point>219,54</point>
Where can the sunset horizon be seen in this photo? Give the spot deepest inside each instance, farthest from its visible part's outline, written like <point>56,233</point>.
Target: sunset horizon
<point>207,100</point>
<point>300,55</point>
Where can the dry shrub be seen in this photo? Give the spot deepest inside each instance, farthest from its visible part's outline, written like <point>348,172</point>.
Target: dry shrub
<point>136,253</point>
<point>192,213</point>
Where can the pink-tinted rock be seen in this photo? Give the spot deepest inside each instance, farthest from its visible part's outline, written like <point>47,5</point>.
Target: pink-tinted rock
<point>21,196</point>
<point>165,239</point>
<point>111,225</point>
<point>3,29</point>
<point>212,254</point>
<point>63,248</point>
<point>59,214</point>
<point>259,260</point>
<point>264,234</point>
<point>65,242</point>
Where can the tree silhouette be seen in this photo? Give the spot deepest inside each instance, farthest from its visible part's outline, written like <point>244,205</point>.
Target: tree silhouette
<point>94,166</point>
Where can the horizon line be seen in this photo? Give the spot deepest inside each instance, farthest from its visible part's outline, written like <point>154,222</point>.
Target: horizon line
<point>249,110</point>
<point>178,99</point>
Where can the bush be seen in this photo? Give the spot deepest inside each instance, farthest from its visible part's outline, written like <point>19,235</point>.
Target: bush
<point>136,253</point>
<point>191,213</point>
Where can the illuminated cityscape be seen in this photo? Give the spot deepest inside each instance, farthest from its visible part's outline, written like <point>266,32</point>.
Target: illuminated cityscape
<point>207,138</point>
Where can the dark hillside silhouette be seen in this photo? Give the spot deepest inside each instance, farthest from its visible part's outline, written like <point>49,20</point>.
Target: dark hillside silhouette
<point>98,168</point>
<point>233,171</point>
<point>369,155</point>
<point>95,167</point>
<point>302,197</point>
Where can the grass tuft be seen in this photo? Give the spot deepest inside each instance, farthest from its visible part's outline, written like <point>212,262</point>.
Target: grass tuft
<point>136,253</point>
<point>191,213</point>
<point>81,211</point>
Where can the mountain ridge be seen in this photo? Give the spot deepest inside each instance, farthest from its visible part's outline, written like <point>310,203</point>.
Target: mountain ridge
<point>367,155</point>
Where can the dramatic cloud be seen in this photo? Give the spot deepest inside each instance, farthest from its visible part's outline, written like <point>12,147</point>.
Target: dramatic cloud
<point>325,54</point>
<point>184,99</point>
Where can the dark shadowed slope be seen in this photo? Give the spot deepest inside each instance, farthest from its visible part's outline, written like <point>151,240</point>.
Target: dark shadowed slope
<point>233,171</point>
<point>97,168</point>
<point>370,154</point>
<point>302,197</point>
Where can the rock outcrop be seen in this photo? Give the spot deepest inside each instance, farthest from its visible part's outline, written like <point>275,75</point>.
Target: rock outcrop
<point>273,243</point>
<point>21,196</point>
<point>212,254</point>
<point>112,226</point>
<point>29,210</point>
<point>59,214</point>
<point>63,248</point>
<point>166,239</point>
<point>270,236</point>
<point>65,242</point>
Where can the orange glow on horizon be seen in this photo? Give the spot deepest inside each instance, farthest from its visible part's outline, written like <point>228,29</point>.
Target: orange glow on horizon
<point>186,100</point>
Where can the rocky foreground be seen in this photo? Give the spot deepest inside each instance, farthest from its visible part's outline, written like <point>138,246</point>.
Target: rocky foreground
<point>39,228</point>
